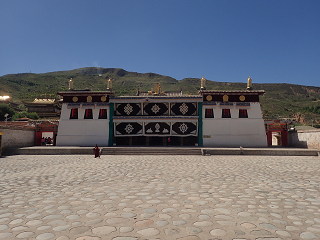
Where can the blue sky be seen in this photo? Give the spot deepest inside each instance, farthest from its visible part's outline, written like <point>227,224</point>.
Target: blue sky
<point>226,41</point>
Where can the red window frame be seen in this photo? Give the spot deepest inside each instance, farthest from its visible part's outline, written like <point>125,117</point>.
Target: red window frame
<point>88,114</point>
<point>103,114</point>
<point>226,113</point>
<point>209,113</point>
<point>74,113</point>
<point>243,113</point>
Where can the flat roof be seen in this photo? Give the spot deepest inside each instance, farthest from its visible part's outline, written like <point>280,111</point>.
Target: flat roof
<point>233,92</point>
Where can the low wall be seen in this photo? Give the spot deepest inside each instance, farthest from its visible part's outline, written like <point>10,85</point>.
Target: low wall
<point>304,138</point>
<point>16,138</point>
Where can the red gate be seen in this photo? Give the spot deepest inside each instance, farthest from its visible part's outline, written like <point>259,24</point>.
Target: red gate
<point>46,126</point>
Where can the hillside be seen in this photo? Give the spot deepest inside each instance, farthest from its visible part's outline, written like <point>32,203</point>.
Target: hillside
<point>281,100</point>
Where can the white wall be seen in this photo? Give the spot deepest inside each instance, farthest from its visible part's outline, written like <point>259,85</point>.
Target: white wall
<point>305,138</point>
<point>82,132</point>
<point>15,138</point>
<point>234,131</point>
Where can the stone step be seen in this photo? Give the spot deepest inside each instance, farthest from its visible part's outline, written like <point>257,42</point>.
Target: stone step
<point>56,150</point>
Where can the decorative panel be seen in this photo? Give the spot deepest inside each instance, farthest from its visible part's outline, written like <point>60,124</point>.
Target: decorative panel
<point>231,98</point>
<point>128,109</point>
<point>128,128</point>
<point>184,128</point>
<point>156,109</point>
<point>73,105</point>
<point>183,109</point>
<point>157,128</point>
<point>88,105</point>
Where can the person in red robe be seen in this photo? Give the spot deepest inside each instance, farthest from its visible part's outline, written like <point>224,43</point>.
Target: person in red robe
<point>96,151</point>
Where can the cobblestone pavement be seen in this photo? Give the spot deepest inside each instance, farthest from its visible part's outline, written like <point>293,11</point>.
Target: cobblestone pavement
<point>159,197</point>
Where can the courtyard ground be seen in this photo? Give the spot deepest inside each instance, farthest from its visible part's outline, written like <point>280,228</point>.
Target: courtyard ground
<point>121,197</point>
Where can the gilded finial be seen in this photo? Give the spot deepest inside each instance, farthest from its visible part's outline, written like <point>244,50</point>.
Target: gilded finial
<point>203,83</point>
<point>109,86</point>
<point>249,83</point>
<point>70,84</point>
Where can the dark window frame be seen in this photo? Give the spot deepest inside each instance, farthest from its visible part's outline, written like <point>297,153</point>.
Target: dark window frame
<point>226,113</point>
<point>243,113</point>
<point>103,115</point>
<point>88,114</point>
<point>209,113</point>
<point>74,113</point>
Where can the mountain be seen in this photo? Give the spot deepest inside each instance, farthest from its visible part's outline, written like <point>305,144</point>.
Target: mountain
<point>280,100</point>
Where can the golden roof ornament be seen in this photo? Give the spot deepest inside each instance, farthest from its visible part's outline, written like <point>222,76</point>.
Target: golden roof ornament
<point>249,83</point>
<point>109,86</point>
<point>203,83</point>
<point>70,84</point>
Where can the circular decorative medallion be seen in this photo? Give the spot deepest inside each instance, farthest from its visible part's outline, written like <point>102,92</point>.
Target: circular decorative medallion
<point>225,98</point>
<point>103,99</point>
<point>75,99</point>
<point>209,98</point>
<point>89,99</point>
<point>242,98</point>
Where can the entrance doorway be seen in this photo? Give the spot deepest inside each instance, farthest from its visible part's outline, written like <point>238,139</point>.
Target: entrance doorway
<point>156,141</point>
<point>46,129</point>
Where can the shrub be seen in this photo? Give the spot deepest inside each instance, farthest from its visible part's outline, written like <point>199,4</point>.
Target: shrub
<point>23,114</point>
<point>4,108</point>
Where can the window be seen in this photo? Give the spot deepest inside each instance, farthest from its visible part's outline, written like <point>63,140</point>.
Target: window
<point>226,113</point>
<point>103,114</point>
<point>209,113</point>
<point>74,113</point>
<point>88,114</point>
<point>243,113</point>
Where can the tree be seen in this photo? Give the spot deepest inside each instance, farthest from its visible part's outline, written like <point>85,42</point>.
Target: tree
<point>4,108</point>
<point>23,114</point>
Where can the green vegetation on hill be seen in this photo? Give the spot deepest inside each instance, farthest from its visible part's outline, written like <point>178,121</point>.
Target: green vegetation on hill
<point>279,101</point>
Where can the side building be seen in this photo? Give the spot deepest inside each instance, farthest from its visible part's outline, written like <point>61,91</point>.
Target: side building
<point>233,119</point>
<point>84,119</point>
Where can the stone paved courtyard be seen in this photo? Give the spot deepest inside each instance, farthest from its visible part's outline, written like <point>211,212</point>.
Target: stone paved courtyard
<point>159,197</point>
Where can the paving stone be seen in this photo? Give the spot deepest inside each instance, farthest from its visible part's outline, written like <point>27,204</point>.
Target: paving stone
<point>178,222</point>
<point>33,223</point>
<point>193,230</point>
<point>283,233</point>
<point>309,235</point>
<point>103,230</point>
<point>144,223</point>
<point>41,228</point>
<point>218,232</point>
<point>203,224</point>
<point>16,221</point>
<point>3,227</point>
<point>25,235</point>
<point>61,228</point>
<point>94,221</point>
<point>171,231</point>
<point>268,226</point>
<point>79,230</point>
<point>248,225</point>
<point>162,223</point>
<point>189,238</point>
<point>116,220</point>
<point>45,236</point>
<point>5,235</point>
<point>126,229</point>
<point>20,228</point>
<point>63,238</point>
<point>149,232</point>
<point>88,238</point>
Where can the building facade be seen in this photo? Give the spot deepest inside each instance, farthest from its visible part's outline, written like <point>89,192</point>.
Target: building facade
<point>210,119</point>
